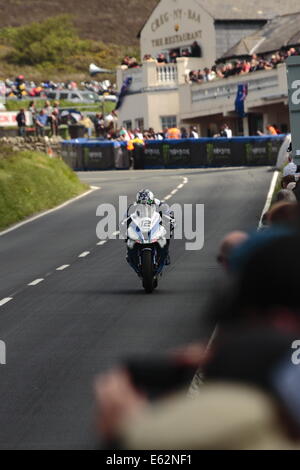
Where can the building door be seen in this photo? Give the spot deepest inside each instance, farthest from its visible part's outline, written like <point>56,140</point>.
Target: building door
<point>256,123</point>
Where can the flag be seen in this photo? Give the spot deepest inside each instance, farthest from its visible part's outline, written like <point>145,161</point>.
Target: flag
<point>124,90</point>
<point>242,94</point>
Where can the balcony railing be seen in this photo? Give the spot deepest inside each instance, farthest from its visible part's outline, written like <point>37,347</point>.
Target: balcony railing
<point>219,95</point>
<point>154,75</point>
<point>167,74</point>
<point>226,88</point>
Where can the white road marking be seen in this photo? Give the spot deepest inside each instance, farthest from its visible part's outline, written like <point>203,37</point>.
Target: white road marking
<point>212,339</point>
<point>175,191</point>
<point>5,301</point>
<point>36,217</point>
<point>102,243</point>
<point>269,197</point>
<point>62,268</point>
<point>36,282</point>
<point>84,254</point>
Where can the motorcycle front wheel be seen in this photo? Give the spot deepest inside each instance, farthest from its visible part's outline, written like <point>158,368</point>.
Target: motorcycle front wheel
<point>147,270</point>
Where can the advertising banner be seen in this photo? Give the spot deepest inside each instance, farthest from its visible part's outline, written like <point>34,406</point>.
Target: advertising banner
<point>184,153</point>
<point>8,118</point>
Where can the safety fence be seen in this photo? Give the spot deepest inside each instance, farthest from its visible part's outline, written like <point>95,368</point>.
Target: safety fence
<point>89,155</point>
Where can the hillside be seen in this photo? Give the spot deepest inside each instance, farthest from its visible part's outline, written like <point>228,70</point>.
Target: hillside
<point>116,21</point>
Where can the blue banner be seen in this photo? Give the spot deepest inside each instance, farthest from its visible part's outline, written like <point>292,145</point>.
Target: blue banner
<point>124,90</point>
<point>242,94</point>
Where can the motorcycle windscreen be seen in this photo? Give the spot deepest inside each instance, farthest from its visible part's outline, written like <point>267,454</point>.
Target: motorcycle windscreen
<point>148,221</point>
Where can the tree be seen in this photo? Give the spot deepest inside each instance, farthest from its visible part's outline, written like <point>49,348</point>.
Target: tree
<point>51,41</point>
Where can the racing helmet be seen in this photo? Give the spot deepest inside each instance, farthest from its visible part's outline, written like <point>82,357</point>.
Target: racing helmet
<point>145,197</point>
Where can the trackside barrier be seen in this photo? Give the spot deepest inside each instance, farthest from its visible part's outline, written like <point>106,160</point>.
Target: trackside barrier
<point>92,155</point>
<point>84,155</point>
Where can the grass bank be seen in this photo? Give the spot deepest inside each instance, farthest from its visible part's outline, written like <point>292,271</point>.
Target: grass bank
<point>31,182</point>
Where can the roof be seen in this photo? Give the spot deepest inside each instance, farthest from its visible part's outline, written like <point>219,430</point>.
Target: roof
<point>248,9</point>
<point>239,10</point>
<point>277,33</point>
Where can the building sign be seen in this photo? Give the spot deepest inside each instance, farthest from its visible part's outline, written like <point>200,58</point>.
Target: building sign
<point>176,39</point>
<point>177,17</point>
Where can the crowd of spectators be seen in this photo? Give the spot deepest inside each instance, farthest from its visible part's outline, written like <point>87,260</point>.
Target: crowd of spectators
<point>193,51</point>
<point>106,129</point>
<point>219,70</point>
<point>245,391</point>
<point>48,116</point>
<point>241,67</point>
<point>22,88</point>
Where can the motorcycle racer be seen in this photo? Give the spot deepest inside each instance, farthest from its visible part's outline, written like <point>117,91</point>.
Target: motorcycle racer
<point>145,197</point>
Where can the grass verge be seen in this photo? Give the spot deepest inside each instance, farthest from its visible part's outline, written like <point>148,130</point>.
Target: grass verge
<point>31,182</point>
<point>107,107</point>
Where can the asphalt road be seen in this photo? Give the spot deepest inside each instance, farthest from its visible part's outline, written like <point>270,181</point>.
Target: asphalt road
<point>86,318</point>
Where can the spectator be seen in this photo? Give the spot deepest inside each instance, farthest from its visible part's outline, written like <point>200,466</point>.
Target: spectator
<point>285,195</point>
<point>284,213</point>
<point>226,131</point>
<point>228,245</point>
<point>99,126</point>
<point>271,130</point>
<point>110,121</point>
<point>124,134</point>
<point>286,180</point>
<point>290,168</point>
<point>173,133</point>
<point>227,415</point>
<point>193,133</point>
<point>262,292</point>
<point>184,133</point>
<point>246,66</point>
<point>88,125</point>
<point>32,110</point>
<point>151,133</point>
<point>173,56</point>
<point>196,50</point>
<point>55,116</point>
<point>161,59</point>
<point>21,121</point>
<point>137,133</point>
<point>209,75</point>
<point>48,111</point>
<point>148,58</point>
<point>41,123</point>
<point>48,108</point>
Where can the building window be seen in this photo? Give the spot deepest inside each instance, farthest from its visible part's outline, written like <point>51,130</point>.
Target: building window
<point>127,124</point>
<point>168,122</point>
<point>139,124</point>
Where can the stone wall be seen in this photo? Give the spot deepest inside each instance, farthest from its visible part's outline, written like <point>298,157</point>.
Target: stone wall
<point>40,144</point>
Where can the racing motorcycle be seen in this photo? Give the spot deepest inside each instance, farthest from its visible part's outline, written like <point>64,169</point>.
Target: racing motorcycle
<point>147,245</point>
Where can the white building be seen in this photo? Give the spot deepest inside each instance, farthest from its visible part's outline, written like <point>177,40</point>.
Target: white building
<point>160,95</point>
